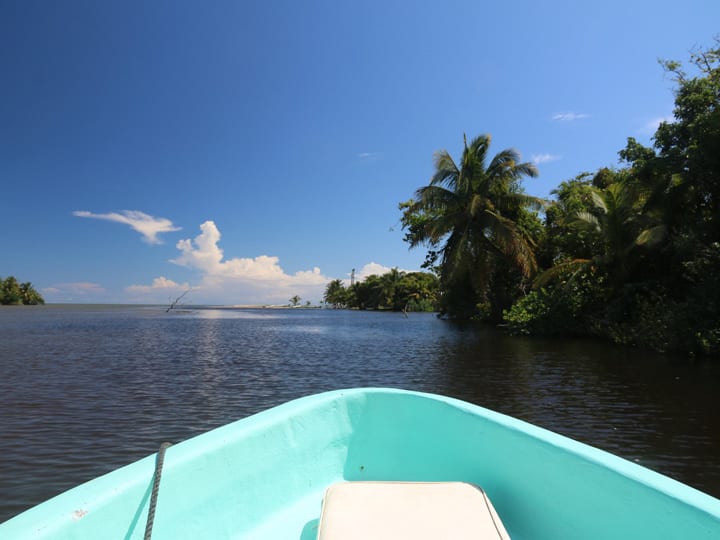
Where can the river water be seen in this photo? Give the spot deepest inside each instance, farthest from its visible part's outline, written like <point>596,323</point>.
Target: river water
<point>86,389</point>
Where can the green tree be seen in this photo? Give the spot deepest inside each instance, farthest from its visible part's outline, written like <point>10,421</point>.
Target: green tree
<point>30,296</point>
<point>617,221</point>
<point>336,294</point>
<point>14,293</point>
<point>605,223</point>
<point>416,291</point>
<point>394,290</point>
<point>563,237</point>
<point>634,254</point>
<point>295,300</point>
<point>389,282</point>
<point>469,217</point>
<point>368,293</point>
<point>690,146</point>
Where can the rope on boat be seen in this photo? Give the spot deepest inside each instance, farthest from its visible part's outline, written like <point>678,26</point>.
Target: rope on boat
<point>155,488</point>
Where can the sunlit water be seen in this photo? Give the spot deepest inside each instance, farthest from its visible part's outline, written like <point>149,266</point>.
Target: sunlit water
<point>86,389</point>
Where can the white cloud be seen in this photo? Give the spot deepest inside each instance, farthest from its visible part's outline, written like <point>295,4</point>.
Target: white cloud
<point>569,116</point>
<point>650,127</point>
<point>161,290</point>
<point>369,156</point>
<point>237,281</point>
<point>258,280</point>
<point>372,268</point>
<point>70,290</point>
<point>159,284</point>
<point>537,159</point>
<point>148,226</point>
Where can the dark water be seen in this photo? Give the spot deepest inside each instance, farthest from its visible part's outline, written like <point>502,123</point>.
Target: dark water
<point>86,389</point>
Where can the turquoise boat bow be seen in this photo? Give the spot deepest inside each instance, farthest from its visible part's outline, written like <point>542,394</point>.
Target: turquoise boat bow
<point>264,476</point>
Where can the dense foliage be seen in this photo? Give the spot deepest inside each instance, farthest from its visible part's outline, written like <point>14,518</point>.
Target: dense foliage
<point>631,254</point>
<point>14,293</point>
<point>474,219</point>
<point>394,290</point>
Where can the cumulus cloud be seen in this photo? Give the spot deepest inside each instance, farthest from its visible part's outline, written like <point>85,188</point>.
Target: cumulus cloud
<point>148,226</point>
<point>373,268</point>
<point>569,116</point>
<point>537,159</point>
<point>244,280</point>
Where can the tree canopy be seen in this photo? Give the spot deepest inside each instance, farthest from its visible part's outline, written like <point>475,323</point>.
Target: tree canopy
<point>630,253</point>
<point>473,218</point>
<point>13,292</point>
<point>395,290</point>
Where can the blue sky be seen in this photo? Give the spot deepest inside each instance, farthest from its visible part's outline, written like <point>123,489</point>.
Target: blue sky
<point>257,150</point>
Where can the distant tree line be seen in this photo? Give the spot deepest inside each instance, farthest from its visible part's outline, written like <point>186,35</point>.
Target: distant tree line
<point>394,290</point>
<point>631,254</point>
<point>14,293</point>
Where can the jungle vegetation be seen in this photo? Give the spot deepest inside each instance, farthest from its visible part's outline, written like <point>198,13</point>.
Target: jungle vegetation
<point>629,253</point>
<point>394,290</point>
<point>13,292</point>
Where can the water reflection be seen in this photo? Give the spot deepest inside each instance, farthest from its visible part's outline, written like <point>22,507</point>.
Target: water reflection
<point>225,313</point>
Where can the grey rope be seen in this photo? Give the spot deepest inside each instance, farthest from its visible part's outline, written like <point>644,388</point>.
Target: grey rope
<point>156,486</point>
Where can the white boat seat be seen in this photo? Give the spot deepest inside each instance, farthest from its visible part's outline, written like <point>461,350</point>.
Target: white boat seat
<point>408,510</point>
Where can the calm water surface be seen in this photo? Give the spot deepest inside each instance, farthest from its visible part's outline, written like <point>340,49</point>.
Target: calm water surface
<point>86,389</point>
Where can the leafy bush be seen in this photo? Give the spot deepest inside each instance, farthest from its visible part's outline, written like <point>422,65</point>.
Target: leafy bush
<point>559,309</point>
<point>647,315</point>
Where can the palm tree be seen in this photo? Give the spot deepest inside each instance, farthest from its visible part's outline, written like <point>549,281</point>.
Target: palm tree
<point>30,297</point>
<point>469,214</point>
<point>335,294</point>
<point>389,282</point>
<point>620,222</point>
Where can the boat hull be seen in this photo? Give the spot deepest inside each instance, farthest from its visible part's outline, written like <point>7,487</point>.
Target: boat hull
<point>264,476</point>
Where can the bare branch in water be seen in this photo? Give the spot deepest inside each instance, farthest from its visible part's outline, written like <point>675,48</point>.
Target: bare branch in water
<point>177,300</point>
